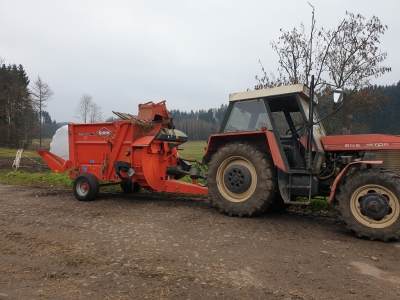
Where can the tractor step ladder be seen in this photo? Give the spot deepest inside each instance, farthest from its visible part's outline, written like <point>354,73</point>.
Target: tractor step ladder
<point>290,187</point>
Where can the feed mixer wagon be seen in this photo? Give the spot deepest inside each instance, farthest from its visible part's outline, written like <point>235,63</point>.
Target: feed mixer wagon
<point>137,151</point>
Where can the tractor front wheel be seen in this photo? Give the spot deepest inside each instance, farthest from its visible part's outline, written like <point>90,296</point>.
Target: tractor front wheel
<point>86,187</point>
<point>241,179</point>
<point>368,202</point>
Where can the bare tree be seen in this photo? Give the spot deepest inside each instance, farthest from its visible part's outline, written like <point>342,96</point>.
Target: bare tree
<point>96,114</point>
<point>41,94</point>
<point>347,57</point>
<point>88,111</point>
<point>83,109</point>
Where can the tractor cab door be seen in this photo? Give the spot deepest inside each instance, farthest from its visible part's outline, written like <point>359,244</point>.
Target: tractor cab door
<point>289,118</point>
<point>289,126</point>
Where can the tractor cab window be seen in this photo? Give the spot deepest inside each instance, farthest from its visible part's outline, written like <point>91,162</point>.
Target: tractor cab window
<point>247,116</point>
<point>283,125</point>
<point>287,117</point>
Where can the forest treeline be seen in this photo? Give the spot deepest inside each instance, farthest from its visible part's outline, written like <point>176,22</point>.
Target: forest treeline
<point>17,112</point>
<point>387,119</point>
<point>19,116</point>
<point>198,125</point>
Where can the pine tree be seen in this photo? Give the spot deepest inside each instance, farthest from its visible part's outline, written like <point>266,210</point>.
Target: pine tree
<point>41,93</point>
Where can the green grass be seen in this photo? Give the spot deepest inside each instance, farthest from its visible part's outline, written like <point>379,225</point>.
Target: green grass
<point>10,153</point>
<point>193,149</point>
<point>21,177</point>
<point>319,204</point>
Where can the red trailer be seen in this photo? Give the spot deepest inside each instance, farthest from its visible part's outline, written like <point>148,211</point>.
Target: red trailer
<point>140,151</point>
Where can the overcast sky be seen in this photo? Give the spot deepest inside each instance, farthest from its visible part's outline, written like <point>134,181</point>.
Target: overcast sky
<point>190,53</point>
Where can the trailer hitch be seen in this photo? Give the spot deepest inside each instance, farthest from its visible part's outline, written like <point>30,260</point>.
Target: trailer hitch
<point>123,166</point>
<point>194,172</point>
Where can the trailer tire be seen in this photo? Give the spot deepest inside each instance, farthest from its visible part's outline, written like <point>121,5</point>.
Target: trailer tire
<point>130,188</point>
<point>241,179</point>
<point>86,187</point>
<point>368,203</point>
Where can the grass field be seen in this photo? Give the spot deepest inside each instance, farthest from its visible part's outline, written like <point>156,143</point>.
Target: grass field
<point>10,153</point>
<point>20,177</point>
<point>193,149</point>
<point>45,144</point>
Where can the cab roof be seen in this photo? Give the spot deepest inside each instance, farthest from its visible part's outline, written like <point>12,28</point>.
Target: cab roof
<point>301,89</point>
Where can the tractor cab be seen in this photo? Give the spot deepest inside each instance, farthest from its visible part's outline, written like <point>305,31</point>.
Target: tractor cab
<point>282,112</point>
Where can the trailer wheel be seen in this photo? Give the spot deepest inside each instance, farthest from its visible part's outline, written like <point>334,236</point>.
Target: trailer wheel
<point>368,202</point>
<point>129,188</point>
<point>241,179</point>
<point>86,187</point>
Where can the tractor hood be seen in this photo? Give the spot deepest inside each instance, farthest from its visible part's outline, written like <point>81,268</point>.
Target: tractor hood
<point>360,142</point>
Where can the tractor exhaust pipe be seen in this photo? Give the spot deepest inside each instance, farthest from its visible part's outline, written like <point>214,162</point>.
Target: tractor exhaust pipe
<point>311,125</point>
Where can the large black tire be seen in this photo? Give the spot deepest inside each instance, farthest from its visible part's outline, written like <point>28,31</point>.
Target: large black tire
<point>129,188</point>
<point>368,202</point>
<point>241,179</point>
<point>86,187</point>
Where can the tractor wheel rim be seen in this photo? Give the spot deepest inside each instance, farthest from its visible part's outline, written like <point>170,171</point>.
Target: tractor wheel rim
<point>82,187</point>
<point>381,192</point>
<point>237,178</point>
<point>245,192</point>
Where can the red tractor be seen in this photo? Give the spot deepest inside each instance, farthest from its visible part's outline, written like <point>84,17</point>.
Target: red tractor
<point>272,150</point>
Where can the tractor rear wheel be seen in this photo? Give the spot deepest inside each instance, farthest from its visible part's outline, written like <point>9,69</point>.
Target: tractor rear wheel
<point>241,179</point>
<point>129,188</point>
<point>368,202</point>
<point>86,187</point>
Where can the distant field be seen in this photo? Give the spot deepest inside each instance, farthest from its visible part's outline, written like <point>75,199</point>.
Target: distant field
<point>193,149</point>
<point>8,153</point>
<point>45,144</point>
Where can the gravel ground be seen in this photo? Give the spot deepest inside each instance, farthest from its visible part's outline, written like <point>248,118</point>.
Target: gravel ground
<point>158,246</point>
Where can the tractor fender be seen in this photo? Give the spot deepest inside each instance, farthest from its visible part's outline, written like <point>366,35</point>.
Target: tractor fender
<point>343,173</point>
<point>262,138</point>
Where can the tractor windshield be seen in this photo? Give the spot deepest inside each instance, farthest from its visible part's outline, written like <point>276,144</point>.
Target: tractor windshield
<point>247,116</point>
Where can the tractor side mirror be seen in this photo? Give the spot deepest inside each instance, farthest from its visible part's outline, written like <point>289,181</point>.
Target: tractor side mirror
<point>337,95</point>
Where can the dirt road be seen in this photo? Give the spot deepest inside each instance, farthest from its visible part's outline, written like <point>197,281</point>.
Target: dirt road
<point>153,246</point>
